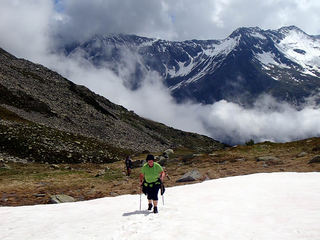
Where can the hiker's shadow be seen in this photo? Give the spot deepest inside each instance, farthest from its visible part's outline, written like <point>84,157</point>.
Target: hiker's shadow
<point>145,212</point>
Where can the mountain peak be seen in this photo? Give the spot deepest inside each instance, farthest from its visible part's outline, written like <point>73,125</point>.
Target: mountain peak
<point>288,29</point>
<point>245,31</point>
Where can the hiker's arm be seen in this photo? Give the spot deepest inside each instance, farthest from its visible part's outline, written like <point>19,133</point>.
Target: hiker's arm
<point>141,178</point>
<point>162,175</point>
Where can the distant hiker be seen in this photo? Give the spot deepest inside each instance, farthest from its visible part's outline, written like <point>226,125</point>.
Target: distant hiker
<point>151,179</point>
<point>128,163</point>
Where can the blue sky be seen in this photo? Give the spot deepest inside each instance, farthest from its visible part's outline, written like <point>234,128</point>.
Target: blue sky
<point>58,5</point>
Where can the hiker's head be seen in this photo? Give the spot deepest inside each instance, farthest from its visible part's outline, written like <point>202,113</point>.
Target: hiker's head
<point>150,159</point>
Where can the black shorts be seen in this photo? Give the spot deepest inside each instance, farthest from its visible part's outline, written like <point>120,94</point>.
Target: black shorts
<point>151,192</point>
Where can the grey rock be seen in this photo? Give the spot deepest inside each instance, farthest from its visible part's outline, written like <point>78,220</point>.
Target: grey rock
<point>54,166</point>
<point>100,173</point>
<point>162,161</point>
<point>267,159</point>
<point>316,159</point>
<point>302,154</point>
<point>61,198</point>
<point>240,159</point>
<point>167,153</point>
<point>197,155</point>
<point>316,148</point>
<point>39,195</point>
<point>4,166</point>
<point>190,176</point>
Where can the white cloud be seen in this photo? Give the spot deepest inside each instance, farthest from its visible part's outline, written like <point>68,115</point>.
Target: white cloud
<point>25,27</point>
<point>184,19</point>
<point>267,120</point>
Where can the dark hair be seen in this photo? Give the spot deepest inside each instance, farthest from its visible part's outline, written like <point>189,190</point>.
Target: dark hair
<point>150,157</point>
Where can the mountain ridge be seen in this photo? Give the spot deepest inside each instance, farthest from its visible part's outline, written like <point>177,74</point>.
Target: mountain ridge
<point>283,63</point>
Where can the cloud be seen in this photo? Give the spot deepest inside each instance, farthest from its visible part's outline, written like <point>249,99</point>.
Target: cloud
<point>82,18</point>
<point>25,27</point>
<point>267,120</point>
<point>182,19</point>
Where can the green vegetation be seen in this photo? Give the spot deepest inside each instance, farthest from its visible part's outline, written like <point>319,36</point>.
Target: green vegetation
<point>5,114</point>
<point>250,142</point>
<point>39,143</point>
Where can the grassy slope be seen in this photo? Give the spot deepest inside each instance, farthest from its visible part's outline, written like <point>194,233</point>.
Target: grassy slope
<point>22,184</point>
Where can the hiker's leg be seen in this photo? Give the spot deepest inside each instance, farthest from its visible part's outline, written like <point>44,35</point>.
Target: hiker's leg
<point>149,196</point>
<point>155,195</point>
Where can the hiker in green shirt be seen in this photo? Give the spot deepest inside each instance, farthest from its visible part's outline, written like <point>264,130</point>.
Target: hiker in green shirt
<point>151,178</point>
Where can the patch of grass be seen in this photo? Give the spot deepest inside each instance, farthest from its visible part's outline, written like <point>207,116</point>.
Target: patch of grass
<point>44,144</point>
<point>187,159</point>
<point>11,116</point>
<point>113,174</point>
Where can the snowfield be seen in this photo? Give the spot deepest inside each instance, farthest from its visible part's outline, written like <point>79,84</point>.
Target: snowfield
<point>259,206</point>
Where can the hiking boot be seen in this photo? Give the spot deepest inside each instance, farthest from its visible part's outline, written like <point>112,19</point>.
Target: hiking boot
<point>149,206</point>
<point>155,210</point>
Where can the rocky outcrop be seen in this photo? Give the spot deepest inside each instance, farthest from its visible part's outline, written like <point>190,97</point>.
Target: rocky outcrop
<point>61,198</point>
<point>302,154</point>
<point>267,159</point>
<point>190,176</point>
<point>316,159</point>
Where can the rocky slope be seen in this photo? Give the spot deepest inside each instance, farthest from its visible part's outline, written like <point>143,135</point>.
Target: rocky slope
<point>45,117</point>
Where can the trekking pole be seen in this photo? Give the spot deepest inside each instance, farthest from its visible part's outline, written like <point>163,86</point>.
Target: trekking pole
<point>162,192</point>
<point>140,199</point>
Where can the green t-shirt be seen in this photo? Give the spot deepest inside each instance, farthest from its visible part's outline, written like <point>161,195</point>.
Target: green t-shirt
<point>151,174</point>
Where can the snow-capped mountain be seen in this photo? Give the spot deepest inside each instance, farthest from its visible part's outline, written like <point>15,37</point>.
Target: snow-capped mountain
<point>284,63</point>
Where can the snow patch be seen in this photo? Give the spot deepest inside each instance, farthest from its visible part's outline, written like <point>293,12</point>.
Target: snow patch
<point>223,48</point>
<point>282,206</point>
<point>258,35</point>
<point>270,60</point>
<point>311,48</point>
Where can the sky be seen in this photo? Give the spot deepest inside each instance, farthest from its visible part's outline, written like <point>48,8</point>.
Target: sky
<point>183,19</point>
<point>30,29</point>
<point>282,206</point>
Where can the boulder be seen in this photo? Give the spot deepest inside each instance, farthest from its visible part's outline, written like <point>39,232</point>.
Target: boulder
<point>100,173</point>
<point>316,148</point>
<point>167,153</point>
<point>61,198</point>
<point>266,159</point>
<point>4,166</point>
<point>197,155</point>
<point>54,166</point>
<point>162,160</point>
<point>316,159</point>
<point>190,176</point>
<point>137,163</point>
<point>302,154</point>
